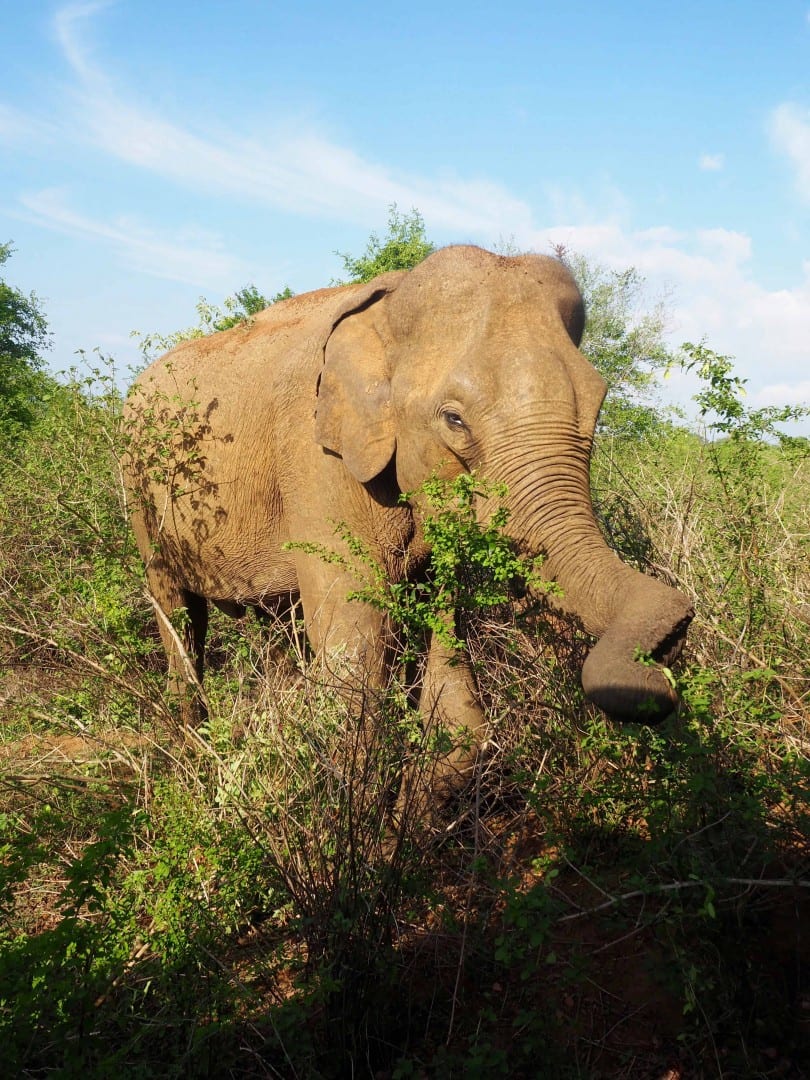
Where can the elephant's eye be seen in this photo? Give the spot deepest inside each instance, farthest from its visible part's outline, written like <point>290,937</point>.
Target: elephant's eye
<point>453,419</point>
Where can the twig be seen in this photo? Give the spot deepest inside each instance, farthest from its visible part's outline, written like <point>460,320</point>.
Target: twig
<point>473,878</point>
<point>676,886</point>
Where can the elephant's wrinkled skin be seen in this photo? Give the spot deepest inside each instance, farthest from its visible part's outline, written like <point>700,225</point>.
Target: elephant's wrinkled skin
<point>327,406</point>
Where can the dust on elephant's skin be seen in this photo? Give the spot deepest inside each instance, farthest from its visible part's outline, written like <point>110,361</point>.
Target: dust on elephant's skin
<point>327,406</point>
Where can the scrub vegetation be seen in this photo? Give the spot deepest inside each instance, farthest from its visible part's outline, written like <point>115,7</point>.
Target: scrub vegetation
<point>266,897</point>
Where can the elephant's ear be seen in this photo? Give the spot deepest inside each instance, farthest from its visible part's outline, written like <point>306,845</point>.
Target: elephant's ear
<point>354,415</point>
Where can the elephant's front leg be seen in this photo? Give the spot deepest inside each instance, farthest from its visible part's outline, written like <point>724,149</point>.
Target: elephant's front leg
<point>351,640</point>
<point>454,721</point>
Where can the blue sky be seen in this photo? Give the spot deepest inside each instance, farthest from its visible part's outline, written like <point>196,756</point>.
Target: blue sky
<point>153,152</point>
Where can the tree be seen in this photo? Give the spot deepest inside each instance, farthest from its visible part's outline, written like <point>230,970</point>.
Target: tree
<point>404,247</point>
<point>247,302</point>
<point>623,341</point>
<point>23,334</point>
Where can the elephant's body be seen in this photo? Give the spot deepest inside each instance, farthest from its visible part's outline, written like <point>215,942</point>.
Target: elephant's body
<point>226,530</point>
<point>327,406</point>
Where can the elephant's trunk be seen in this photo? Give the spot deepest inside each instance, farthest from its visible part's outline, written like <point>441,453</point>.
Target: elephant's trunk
<point>636,618</point>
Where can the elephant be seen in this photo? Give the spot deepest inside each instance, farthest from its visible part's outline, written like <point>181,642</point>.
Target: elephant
<point>326,408</point>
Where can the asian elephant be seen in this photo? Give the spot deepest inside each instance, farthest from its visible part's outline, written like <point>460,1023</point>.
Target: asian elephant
<point>326,407</point>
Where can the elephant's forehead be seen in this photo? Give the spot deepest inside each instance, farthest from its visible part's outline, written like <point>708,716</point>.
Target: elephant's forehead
<point>500,315</point>
<point>493,335</point>
<point>470,281</point>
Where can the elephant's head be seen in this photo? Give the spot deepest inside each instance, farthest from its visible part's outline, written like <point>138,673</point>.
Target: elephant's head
<point>471,361</point>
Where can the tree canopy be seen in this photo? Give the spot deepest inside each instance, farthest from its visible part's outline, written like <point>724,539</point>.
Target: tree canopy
<point>405,246</point>
<point>23,336</point>
<point>624,340</point>
<point>245,303</point>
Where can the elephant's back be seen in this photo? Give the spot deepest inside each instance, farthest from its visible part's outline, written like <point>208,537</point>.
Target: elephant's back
<point>279,351</point>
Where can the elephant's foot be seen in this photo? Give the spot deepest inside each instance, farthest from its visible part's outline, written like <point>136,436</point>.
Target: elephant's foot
<point>436,789</point>
<point>188,702</point>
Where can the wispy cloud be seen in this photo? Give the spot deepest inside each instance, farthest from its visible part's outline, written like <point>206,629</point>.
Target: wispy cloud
<point>790,131</point>
<point>305,173</point>
<point>711,162</point>
<point>66,23</point>
<point>196,260</point>
<point>20,129</point>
